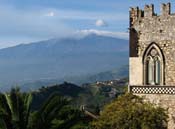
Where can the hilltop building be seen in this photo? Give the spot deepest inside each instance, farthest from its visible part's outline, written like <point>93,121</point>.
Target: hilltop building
<point>152,57</point>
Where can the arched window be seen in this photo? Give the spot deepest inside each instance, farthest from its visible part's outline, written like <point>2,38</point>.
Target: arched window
<point>153,66</point>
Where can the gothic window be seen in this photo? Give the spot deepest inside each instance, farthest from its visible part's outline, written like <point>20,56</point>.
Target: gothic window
<point>153,66</point>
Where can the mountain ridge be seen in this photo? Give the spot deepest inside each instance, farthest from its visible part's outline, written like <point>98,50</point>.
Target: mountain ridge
<point>57,58</point>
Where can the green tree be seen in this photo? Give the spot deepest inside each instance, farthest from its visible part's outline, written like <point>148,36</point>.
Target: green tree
<point>55,113</point>
<point>130,112</point>
<point>15,109</point>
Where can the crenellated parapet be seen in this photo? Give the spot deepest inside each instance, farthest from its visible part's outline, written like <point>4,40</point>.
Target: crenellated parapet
<point>148,12</point>
<point>135,13</point>
<point>166,9</point>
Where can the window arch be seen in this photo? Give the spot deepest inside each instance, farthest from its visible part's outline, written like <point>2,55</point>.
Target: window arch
<point>153,65</point>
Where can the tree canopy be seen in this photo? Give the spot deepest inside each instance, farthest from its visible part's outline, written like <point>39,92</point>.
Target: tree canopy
<point>55,113</point>
<point>126,112</point>
<point>131,112</point>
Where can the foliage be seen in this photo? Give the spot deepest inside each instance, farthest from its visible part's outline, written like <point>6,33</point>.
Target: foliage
<point>56,113</point>
<point>65,89</point>
<point>90,95</point>
<point>126,112</point>
<point>130,112</point>
<point>15,109</point>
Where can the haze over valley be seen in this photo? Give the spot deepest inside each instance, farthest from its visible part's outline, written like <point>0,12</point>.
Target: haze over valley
<point>78,60</point>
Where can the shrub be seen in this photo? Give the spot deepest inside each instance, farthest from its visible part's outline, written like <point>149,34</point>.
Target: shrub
<point>130,112</point>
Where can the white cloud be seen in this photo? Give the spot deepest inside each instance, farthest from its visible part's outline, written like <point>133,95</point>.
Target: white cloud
<point>27,25</point>
<point>100,23</point>
<point>122,35</point>
<point>50,14</point>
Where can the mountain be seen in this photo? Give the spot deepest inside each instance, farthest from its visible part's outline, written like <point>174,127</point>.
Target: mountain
<point>61,58</point>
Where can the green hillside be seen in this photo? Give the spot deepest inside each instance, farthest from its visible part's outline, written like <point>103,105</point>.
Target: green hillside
<point>91,95</point>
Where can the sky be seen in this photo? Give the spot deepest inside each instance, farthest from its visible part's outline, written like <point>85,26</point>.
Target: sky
<point>25,21</point>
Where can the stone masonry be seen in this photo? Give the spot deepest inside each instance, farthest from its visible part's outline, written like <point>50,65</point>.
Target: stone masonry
<point>146,28</point>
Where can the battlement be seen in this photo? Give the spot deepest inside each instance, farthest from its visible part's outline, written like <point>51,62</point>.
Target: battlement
<point>135,13</point>
<point>148,11</point>
<point>166,9</point>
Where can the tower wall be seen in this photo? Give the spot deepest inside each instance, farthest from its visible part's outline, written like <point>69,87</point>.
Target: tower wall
<point>147,27</point>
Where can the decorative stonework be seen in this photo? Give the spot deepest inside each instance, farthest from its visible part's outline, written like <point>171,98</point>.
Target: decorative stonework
<point>153,89</point>
<point>153,52</point>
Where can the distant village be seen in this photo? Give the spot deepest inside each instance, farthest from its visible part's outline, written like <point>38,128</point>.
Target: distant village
<point>117,82</point>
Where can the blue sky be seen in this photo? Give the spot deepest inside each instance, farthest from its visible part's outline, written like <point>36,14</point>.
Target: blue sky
<point>24,21</point>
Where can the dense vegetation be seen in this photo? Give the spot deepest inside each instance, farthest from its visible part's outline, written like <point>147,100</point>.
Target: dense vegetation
<point>92,96</point>
<point>57,109</point>
<point>130,112</point>
<point>55,113</point>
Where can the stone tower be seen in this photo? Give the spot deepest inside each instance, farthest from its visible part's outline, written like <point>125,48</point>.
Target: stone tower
<point>152,57</point>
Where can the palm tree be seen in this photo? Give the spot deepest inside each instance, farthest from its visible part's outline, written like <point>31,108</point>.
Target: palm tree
<point>15,109</point>
<point>55,113</point>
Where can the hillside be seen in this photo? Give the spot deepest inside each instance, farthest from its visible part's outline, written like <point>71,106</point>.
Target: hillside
<point>117,73</point>
<point>91,95</point>
<point>61,59</point>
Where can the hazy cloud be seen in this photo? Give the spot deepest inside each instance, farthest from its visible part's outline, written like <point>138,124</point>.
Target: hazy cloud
<point>50,14</point>
<point>100,23</point>
<point>121,35</point>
